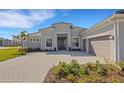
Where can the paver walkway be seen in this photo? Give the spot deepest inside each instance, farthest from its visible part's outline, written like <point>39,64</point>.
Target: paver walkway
<point>34,66</point>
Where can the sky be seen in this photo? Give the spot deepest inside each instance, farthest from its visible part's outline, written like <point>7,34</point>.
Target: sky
<point>12,22</point>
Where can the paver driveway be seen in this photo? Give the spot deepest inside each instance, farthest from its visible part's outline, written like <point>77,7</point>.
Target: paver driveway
<point>34,66</point>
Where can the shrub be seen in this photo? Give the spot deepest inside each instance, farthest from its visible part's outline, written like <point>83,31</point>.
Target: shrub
<point>90,72</point>
<point>38,49</point>
<point>114,79</point>
<point>100,69</point>
<point>29,49</point>
<point>73,67</point>
<point>71,77</point>
<point>121,64</point>
<point>63,69</point>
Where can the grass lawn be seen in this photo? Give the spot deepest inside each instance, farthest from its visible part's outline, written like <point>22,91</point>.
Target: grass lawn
<point>9,53</point>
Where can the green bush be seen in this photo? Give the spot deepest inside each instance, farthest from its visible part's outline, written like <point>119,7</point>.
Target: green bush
<point>100,69</point>
<point>121,64</point>
<point>63,69</point>
<point>71,77</point>
<point>90,72</point>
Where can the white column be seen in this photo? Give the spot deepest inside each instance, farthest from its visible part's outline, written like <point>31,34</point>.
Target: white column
<point>41,41</point>
<point>55,41</point>
<point>118,42</point>
<point>115,42</point>
<point>69,41</point>
<point>87,45</point>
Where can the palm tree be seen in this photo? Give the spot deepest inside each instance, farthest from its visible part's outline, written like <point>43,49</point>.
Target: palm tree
<point>22,38</point>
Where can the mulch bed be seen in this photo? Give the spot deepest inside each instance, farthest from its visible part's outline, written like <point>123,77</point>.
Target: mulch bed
<point>52,78</point>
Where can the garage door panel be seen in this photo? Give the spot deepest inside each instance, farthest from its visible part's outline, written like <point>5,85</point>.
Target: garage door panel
<point>100,46</point>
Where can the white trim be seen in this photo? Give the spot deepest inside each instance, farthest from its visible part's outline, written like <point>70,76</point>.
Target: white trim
<point>98,26</point>
<point>101,34</point>
<point>109,19</point>
<point>120,20</point>
<point>115,41</point>
<point>118,43</point>
<point>86,32</point>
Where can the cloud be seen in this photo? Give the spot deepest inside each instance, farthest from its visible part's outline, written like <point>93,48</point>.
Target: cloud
<point>24,18</point>
<point>66,15</point>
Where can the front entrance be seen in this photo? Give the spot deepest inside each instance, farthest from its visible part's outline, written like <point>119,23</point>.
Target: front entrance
<point>61,43</point>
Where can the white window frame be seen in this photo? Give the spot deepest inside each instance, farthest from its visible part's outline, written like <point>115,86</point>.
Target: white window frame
<point>46,42</point>
<point>78,42</point>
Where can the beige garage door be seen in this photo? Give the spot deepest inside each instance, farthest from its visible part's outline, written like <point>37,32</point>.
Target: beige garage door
<point>100,46</point>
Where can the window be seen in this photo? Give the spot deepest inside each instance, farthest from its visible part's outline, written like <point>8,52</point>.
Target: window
<point>33,39</point>
<point>49,42</point>
<point>37,39</point>
<point>75,42</point>
<point>71,27</point>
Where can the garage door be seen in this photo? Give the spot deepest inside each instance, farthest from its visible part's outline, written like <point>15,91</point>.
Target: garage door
<point>100,46</point>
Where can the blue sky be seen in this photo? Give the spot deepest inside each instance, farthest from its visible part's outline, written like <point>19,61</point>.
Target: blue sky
<point>14,21</point>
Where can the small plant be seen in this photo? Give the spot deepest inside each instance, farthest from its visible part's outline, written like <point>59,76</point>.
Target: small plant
<point>91,66</point>
<point>61,69</point>
<point>83,71</point>
<point>121,64</point>
<point>71,77</point>
<point>100,69</point>
<point>64,69</point>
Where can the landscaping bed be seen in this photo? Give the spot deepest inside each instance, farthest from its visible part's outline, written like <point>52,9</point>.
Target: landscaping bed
<point>85,73</point>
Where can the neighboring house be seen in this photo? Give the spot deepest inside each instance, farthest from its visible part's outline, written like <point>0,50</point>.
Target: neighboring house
<point>1,41</point>
<point>105,39</point>
<point>16,41</point>
<point>7,42</point>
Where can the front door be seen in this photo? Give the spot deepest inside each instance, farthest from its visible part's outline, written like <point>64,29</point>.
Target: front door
<point>61,43</point>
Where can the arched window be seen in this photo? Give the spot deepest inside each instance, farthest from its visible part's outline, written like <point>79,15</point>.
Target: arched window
<point>37,39</point>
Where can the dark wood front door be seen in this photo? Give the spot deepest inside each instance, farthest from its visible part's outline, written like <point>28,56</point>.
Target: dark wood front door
<point>61,43</point>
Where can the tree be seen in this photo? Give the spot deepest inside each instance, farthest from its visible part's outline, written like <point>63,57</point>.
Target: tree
<point>1,42</point>
<point>22,38</point>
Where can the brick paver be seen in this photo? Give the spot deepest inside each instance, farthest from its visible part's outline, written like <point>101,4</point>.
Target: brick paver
<point>34,66</point>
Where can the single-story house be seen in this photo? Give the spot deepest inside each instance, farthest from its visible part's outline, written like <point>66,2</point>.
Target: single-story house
<point>7,42</point>
<point>105,39</point>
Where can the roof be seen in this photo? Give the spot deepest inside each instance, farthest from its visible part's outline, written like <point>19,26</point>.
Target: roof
<point>62,23</point>
<point>98,24</point>
<point>80,27</point>
<point>44,28</point>
<point>119,11</point>
<point>33,33</point>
